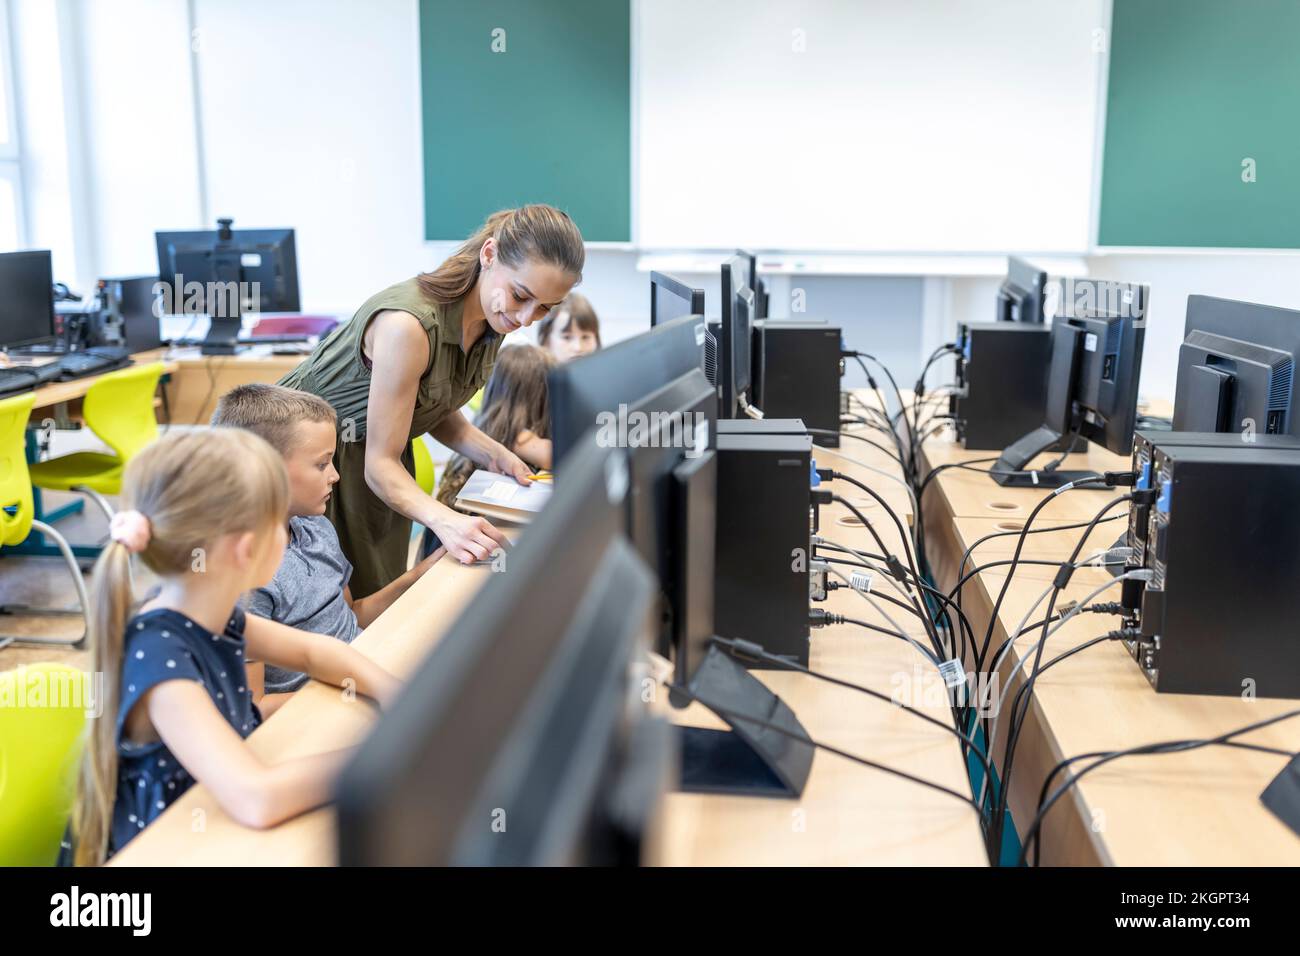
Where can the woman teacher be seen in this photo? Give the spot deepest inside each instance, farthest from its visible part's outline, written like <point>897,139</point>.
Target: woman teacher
<point>410,358</point>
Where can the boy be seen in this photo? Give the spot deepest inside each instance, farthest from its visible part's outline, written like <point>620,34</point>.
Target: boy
<point>310,589</point>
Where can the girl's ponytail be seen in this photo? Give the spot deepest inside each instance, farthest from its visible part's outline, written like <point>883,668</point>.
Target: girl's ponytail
<point>110,606</point>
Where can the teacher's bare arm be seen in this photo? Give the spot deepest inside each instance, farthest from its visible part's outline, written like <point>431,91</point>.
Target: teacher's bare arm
<point>398,349</point>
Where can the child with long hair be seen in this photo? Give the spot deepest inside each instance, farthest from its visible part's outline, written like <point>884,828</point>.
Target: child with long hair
<point>206,512</point>
<point>570,330</point>
<point>515,412</point>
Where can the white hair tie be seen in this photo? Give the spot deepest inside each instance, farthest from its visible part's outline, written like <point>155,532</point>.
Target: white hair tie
<point>130,529</point>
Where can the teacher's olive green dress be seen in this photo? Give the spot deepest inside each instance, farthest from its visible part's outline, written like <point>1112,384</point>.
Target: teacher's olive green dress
<point>375,538</point>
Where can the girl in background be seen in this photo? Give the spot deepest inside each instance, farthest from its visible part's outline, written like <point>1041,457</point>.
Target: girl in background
<point>206,511</point>
<point>571,330</point>
<point>515,412</point>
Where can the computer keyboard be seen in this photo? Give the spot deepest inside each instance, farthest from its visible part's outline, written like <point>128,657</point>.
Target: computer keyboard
<point>24,378</point>
<point>92,361</point>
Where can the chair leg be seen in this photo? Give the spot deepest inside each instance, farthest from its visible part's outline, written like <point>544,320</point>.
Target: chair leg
<point>77,580</point>
<point>97,498</point>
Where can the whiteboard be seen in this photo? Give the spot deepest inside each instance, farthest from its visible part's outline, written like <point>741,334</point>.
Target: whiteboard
<point>867,125</point>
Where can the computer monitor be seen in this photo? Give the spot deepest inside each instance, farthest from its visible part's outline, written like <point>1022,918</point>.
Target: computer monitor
<point>1092,384</point>
<point>522,739</point>
<point>1236,368</point>
<point>755,283</point>
<point>224,273</point>
<point>1022,295</point>
<point>623,373</point>
<point>671,521</point>
<point>735,337</point>
<point>671,426</point>
<point>671,298</point>
<point>646,394</point>
<point>26,298</point>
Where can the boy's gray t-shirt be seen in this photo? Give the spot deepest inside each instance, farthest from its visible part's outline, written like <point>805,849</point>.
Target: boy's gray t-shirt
<point>307,592</point>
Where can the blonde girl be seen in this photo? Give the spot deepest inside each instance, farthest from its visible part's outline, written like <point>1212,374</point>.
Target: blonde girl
<point>206,512</point>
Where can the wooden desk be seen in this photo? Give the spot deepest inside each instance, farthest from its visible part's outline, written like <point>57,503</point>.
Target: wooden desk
<point>59,393</point>
<point>849,814</point>
<point>1200,807</point>
<point>200,380</point>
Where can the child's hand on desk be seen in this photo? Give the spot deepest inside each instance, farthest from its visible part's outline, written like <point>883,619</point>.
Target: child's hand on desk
<point>387,689</point>
<point>434,557</point>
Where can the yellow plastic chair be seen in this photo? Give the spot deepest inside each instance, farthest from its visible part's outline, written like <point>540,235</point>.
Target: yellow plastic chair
<point>118,408</point>
<point>425,472</point>
<point>17,511</point>
<point>41,739</point>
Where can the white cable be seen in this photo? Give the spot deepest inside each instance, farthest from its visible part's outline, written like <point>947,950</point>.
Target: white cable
<point>905,591</point>
<point>1052,629</point>
<point>925,652</point>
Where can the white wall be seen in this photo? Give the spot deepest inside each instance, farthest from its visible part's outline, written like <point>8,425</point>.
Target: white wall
<point>134,71</point>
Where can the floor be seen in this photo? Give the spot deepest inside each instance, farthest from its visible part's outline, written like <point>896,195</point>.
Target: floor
<point>47,582</point>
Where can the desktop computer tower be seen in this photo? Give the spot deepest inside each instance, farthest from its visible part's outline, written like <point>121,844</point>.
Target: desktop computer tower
<point>795,373</point>
<point>1219,613</point>
<point>761,426</point>
<point>1144,445</point>
<point>1001,381</point>
<point>128,313</point>
<point>761,563</point>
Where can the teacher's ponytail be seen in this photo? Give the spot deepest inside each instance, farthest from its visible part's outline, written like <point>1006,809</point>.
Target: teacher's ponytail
<point>536,233</point>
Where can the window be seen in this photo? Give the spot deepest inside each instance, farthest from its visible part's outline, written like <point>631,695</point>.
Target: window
<point>12,231</point>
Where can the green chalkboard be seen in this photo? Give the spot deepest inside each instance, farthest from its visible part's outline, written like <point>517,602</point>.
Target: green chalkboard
<point>526,101</point>
<point>1197,89</point>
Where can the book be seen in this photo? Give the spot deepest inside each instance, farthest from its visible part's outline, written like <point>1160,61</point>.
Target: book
<point>499,496</point>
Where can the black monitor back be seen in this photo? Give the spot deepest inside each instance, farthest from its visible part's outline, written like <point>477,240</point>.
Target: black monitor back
<point>736,334</point>
<point>695,521</point>
<point>684,425</point>
<point>1236,368</point>
<point>624,373</point>
<point>264,257</point>
<point>671,298</point>
<point>500,748</point>
<point>1022,294</point>
<point>1112,316</point>
<point>755,283</point>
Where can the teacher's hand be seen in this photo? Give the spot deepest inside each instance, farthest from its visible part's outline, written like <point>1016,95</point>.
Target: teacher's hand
<point>469,538</point>
<point>506,462</point>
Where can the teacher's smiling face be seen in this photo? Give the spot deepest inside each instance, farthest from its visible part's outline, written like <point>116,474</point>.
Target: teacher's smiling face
<point>515,298</point>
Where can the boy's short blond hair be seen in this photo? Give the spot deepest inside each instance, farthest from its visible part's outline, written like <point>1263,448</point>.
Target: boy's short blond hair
<point>271,411</point>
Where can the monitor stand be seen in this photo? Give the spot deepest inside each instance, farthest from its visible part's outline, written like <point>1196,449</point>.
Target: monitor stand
<point>749,759</point>
<point>1009,470</point>
<point>222,337</point>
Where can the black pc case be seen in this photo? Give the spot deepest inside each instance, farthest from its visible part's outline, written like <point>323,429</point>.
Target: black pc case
<point>1218,616</point>
<point>761,563</point>
<point>1001,381</point>
<point>795,373</point>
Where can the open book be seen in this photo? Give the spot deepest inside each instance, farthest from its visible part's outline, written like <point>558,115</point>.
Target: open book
<point>500,496</point>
